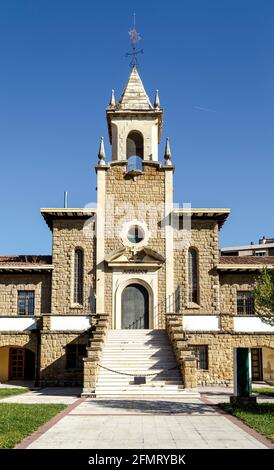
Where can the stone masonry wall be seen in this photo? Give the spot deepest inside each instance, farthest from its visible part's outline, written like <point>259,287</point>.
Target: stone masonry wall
<point>220,353</point>
<point>11,283</point>
<point>204,237</point>
<point>19,339</point>
<point>53,370</point>
<point>229,285</point>
<point>67,236</point>
<point>134,200</point>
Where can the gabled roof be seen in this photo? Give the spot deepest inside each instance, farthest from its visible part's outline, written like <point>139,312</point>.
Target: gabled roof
<point>23,263</point>
<point>25,259</point>
<point>134,96</point>
<point>245,263</point>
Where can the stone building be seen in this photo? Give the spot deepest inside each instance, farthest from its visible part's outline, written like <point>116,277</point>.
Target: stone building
<point>135,285</point>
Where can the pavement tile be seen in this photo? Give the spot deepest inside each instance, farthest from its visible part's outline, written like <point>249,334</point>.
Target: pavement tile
<point>117,428</point>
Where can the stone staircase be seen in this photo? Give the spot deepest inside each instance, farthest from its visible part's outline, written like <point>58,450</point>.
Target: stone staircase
<point>139,352</point>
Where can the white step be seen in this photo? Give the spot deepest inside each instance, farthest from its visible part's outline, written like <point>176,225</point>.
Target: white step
<point>139,352</point>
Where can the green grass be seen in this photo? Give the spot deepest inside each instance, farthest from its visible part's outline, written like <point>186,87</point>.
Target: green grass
<point>264,391</point>
<point>18,421</point>
<point>260,417</point>
<point>9,392</point>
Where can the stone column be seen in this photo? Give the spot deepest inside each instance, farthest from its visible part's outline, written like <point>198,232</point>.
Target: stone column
<point>100,238</point>
<point>227,322</point>
<point>169,238</point>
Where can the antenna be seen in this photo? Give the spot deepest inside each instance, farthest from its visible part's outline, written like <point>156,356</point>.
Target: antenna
<point>135,38</point>
<point>65,199</point>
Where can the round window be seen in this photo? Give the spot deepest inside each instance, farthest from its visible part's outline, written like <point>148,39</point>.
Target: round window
<point>135,234</point>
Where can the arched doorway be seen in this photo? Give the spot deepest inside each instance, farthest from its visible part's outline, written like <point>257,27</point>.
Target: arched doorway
<point>21,364</point>
<point>135,307</point>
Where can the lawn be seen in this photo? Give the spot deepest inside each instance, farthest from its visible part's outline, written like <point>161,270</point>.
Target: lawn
<point>260,418</point>
<point>18,421</point>
<point>264,391</point>
<point>9,392</point>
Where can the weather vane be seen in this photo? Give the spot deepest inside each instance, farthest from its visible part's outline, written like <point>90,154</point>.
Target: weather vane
<point>135,38</point>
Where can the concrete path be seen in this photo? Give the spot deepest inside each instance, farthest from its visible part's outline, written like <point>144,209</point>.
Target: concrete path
<point>222,394</point>
<point>66,395</point>
<point>144,424</point>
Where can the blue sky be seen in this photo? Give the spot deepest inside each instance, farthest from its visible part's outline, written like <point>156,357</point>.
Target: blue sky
<point>212,62</point>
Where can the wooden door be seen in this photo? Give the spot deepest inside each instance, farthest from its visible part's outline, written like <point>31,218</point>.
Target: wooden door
<point>135,307</point>
<point>16,363</point>
<point>256,364</point>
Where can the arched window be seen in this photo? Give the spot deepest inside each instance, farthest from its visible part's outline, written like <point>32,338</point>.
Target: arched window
<point>193,275</point>
<point>78,276</point>
<point>135,144</point>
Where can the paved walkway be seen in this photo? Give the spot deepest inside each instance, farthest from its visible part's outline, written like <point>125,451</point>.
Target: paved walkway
<point>144,424</point>
<point>66,395</point>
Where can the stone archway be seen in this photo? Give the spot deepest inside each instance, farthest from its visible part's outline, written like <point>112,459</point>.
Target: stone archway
<point>117,314</point>
<point>17,363</point>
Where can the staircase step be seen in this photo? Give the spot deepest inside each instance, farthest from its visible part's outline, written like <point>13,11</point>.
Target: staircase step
<point>138,352</point>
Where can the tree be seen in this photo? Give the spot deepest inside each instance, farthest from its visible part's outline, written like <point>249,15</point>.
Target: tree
<point>264,296</point>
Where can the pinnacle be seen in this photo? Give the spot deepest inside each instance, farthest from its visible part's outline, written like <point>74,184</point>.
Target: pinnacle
<point>134,96</point>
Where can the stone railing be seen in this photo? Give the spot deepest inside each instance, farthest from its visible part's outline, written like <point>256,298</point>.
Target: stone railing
<point>185,358</point>
<point>94,352</point>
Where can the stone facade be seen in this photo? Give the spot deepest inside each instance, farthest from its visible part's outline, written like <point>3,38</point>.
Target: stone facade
<point>220,353</point>
<point>53,362</point>
<point>113,260</point>
<point>230,284</point>
<point>67,236</point>
<point>204,238</point>
<point>11,283</point>
<point>134,200</point>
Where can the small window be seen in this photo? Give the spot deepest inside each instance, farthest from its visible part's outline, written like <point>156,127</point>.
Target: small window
<point>74,356</point>
<point>201,354</point>
<point>135,234</point>
<point>260,253</point>
<point>192,276</point>
<point>78,277</point>
<point>25,302</point>
<point>245,303</point>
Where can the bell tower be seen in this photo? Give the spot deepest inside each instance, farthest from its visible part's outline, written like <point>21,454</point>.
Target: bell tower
<point>134,203</point>
<point>134,125</point>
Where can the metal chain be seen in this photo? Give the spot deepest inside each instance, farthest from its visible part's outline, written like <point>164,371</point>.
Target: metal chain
<point>136,375</point>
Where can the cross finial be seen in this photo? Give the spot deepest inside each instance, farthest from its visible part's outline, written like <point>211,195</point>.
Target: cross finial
<point>135,38</point>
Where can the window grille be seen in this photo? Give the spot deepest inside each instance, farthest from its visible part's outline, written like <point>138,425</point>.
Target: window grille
<point>74,356</point>
<point>201,353</point>
<point>26,302</point>
<point>245,303</point>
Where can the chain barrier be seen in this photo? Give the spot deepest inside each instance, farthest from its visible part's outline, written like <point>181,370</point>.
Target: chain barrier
<point>137,375</point>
